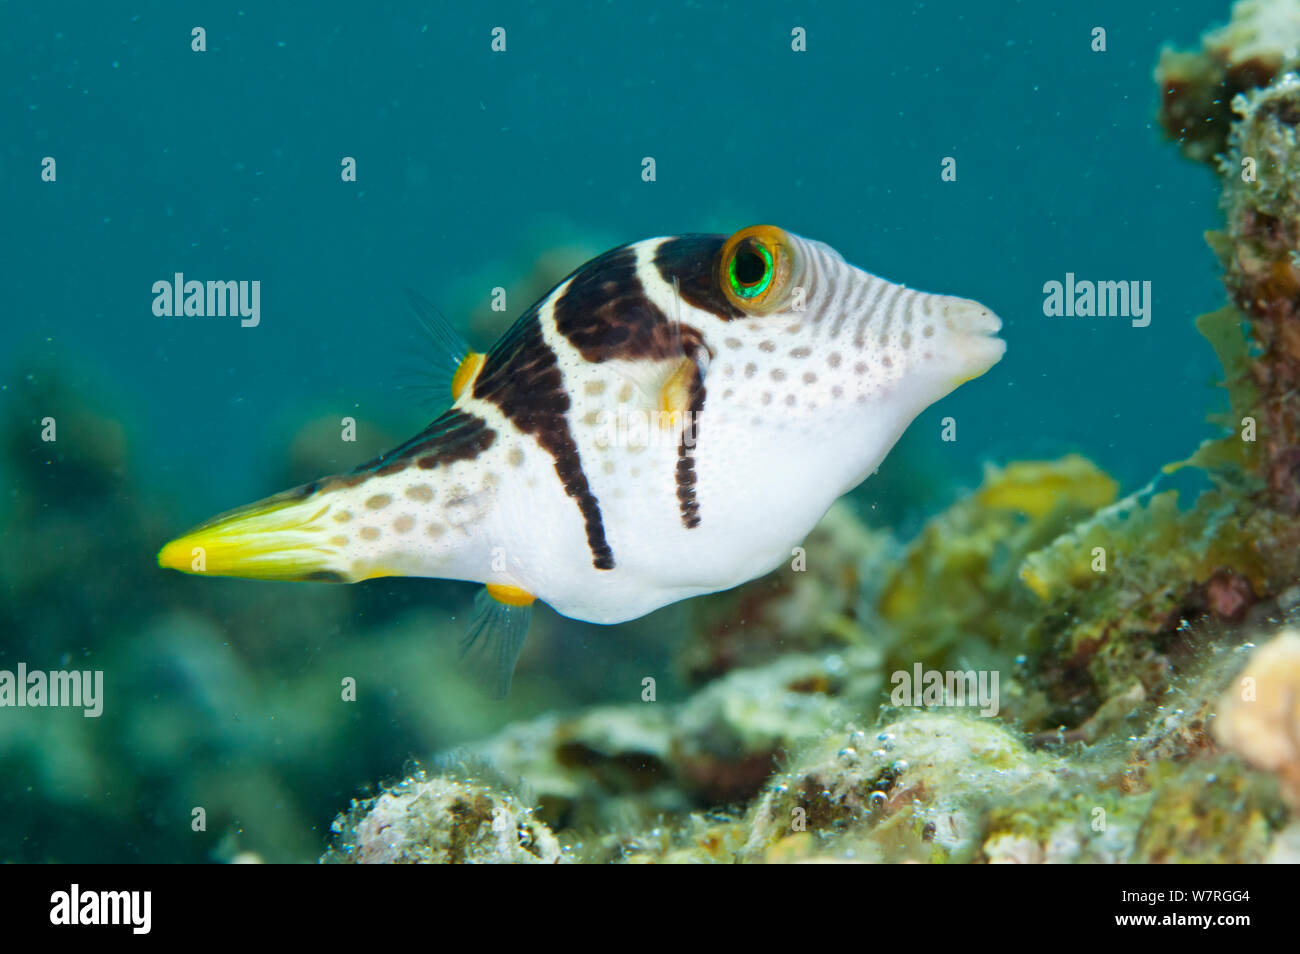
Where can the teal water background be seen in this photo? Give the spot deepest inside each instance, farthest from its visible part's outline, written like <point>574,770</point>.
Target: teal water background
<point>225,164</point>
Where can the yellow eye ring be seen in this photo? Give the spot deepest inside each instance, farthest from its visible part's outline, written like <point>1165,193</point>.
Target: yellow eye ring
<point>754,269</point>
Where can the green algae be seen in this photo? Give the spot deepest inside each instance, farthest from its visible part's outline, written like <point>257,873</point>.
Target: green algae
<point>1210,810</point>
<point>958,584</point>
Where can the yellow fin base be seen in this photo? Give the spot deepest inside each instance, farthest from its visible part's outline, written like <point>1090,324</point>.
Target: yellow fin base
<point>675,394</point>
<point>466,372</point>
<point>510,595</point>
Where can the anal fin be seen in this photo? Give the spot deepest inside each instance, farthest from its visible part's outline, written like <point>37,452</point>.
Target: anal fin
<point>495,636</point>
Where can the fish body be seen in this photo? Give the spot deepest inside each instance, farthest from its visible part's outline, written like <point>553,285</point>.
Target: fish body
<point>670,420</point>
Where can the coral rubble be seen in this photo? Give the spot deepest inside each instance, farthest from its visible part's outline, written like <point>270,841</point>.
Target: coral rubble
<point>441,820</point>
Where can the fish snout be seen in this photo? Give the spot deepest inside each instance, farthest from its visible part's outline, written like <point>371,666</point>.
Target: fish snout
<point>967,343</point>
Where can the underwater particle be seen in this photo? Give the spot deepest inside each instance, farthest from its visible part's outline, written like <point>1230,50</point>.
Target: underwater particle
<point>1259,715</point>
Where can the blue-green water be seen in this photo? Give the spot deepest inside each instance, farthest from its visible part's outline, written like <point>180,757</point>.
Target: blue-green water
<point>225,164</point>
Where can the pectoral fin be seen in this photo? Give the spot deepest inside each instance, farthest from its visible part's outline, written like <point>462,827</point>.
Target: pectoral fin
<point>454,366</point>
<point>495,637</point>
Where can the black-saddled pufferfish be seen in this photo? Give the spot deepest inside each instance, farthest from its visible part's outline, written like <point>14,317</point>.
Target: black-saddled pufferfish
<point>670,420</point>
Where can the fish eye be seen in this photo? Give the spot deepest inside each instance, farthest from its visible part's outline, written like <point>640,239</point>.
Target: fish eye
<point>754,266</point>
<point>751,269</point>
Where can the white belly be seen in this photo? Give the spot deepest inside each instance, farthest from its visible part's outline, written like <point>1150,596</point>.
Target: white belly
<point>751,518</point>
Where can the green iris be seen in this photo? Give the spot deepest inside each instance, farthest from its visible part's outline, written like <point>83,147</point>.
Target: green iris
<point>750,271</point>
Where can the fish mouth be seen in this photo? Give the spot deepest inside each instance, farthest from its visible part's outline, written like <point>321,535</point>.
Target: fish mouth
<point>962,316</point>
<point>974,342</point>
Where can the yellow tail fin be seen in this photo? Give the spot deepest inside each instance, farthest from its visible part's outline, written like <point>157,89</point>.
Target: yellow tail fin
<point>284,537</point>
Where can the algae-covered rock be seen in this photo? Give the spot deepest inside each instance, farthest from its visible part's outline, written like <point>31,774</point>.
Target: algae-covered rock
<point>588,771</point>
<point>1261,42</point>
<point>609,774</point>
<point>1086,826</point>
<point>913,789</point>
<point>1118,592</point>
<point>1285,849</point>
<point>958,582</point>
<point>1209,811</point>
<point>731,736</point>
<point>441,820</point>
<point>957,599</point>
<point>1261,201</point>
